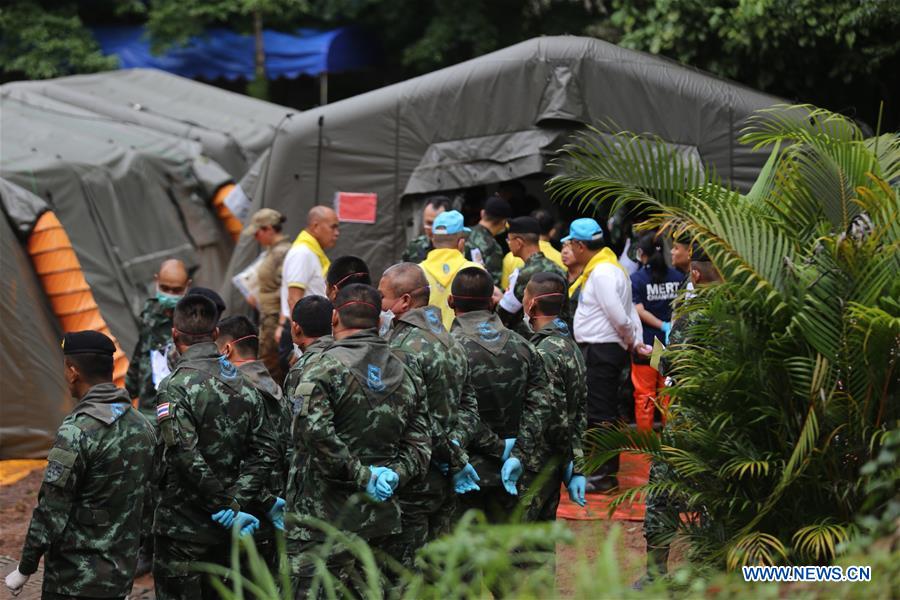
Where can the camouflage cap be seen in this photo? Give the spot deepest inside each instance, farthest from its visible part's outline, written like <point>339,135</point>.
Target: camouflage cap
<point>264,217</point>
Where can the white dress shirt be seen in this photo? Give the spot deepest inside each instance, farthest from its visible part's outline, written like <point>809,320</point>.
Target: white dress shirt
<point>605,312</point>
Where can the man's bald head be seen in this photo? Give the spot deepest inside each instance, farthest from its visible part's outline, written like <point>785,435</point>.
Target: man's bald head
<point>173,277</point>
<point>322,223</point>
<point>408,278</point>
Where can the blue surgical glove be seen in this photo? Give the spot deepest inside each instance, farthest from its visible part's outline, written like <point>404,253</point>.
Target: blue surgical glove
<point>576,488</point>
<point>510,473</point>
<point>466,480</point>
<point>386,484</point>
<point>666,329</point>
<point>224,517</point>
<point>246,522</point>
<point>276,513</point>
<point>510,442</point>
<point>570,468</point>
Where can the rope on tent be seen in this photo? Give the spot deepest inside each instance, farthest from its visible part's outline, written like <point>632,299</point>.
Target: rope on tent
<point>231,223</point>
<point>71,299</point>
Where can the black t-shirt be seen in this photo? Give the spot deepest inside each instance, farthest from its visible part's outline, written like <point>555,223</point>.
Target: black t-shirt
<point>656,297</point>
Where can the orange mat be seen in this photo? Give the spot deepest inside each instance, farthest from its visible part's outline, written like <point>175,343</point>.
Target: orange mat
<point>12,471</point>
<point>633,471</point>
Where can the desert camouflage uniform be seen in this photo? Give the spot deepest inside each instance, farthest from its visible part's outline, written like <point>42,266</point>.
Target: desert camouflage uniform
<point>88,517</point>
<point>427,504</point>
<point>219,452</point>
<point>269,305</point>
<point>417,250</point>
<point>482,239</point>
<point>556,439</point>
<point>155,334</point>
<point>357,405</point>
<point>507,378</point>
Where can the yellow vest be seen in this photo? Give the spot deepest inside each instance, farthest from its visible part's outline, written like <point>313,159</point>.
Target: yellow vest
<point>511,263</point>
<point>441,266</point>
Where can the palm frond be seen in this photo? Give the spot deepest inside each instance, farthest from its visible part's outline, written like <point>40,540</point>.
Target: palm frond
<point>755,548</point>
<point>820,541</point>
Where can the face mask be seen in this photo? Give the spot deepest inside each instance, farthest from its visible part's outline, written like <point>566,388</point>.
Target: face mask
<point>167,300</point>
<point>387,317</point>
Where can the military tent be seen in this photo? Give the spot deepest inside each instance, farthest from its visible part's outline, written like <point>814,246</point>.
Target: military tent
<point>491,119</point>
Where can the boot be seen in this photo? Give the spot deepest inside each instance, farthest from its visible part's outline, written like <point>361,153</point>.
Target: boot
<point>657,566</point>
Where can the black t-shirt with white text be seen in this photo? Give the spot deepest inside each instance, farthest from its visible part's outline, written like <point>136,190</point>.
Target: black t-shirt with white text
<point>656,297</point>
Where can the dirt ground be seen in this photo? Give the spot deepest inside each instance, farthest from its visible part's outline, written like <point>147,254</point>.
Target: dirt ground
<point>18,500</point>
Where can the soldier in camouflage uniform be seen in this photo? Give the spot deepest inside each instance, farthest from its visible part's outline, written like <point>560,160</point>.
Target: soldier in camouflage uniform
<point>311,332</point>
<point>662,513</point>
<point>239,343</point>
<point>554,441</point>
<point>524,242</point>
<point>218,455</point>
<point>506,377</point>
<point>154,336</point>
<point>417,250</point>
<point>359,413</point>
<point>87,521</point>
<point>416,329</point>
<point>481,247</point>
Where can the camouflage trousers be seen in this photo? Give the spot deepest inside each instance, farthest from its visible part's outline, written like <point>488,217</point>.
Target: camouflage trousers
<point>268,347</point>
<point>496,504</point>
<point>306,559</point>
<point>545,501</point>
<point>174,568</point>
<point>662,514</point>
<point>427,512</point>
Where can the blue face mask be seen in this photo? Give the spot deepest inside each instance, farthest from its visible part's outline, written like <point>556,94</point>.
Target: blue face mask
<point>167,301</point>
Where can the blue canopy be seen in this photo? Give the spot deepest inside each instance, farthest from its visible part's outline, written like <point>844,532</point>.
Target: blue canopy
<point>224,53</point>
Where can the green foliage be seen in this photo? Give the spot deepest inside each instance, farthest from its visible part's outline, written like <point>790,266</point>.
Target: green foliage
<point>40,43</point>
<point>785,46</point>
<point>787,378</point>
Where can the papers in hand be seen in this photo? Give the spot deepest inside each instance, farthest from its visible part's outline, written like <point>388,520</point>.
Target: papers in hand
<point>658,349</point>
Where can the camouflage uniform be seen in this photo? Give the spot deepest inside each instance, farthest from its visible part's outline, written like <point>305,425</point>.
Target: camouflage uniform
<point>482,239</point>
<point>278,416</point>
<point>87,521</point>
<point>536,263</point>
<point>417,250</point>
<point>219,452</point>
<point>155,334</point>
<point>357,405</point>
<point>507,378</point>
<point>269,305</point>
<point>556,440</point>
<point>427,504</point>
<point>293,377</point>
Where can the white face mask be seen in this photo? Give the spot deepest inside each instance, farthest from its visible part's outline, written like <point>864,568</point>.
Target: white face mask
<point>387,318</point>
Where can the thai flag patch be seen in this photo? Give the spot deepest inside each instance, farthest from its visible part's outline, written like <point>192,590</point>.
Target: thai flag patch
<point>162,412</point>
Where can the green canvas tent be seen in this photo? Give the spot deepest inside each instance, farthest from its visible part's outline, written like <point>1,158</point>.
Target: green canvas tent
<point>491,119</point>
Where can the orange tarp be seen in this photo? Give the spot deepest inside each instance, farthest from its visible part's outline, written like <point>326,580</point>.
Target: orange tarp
<point>231,223</point>
<point>12,471</point>
<point>58,268</point>
<point>633,471</point>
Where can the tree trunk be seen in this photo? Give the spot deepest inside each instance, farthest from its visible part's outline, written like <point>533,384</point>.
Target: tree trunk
<point>259,88</point>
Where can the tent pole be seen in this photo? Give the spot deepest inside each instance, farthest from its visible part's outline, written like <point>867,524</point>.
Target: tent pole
<point>323,88</point>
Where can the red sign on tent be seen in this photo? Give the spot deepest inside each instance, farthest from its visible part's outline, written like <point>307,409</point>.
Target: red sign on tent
<point>353,207</point>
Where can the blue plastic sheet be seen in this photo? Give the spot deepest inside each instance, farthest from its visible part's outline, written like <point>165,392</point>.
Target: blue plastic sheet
<point>224,53</point>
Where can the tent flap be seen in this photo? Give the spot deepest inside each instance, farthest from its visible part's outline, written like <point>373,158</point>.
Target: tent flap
<point>22,208</point>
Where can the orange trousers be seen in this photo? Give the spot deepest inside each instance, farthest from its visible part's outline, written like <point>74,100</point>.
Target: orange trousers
<point>647,383</point>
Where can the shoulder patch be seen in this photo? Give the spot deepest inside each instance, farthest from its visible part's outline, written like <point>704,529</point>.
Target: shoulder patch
<point>300,402</point>
<point>434,319</point>
<point>164,411</point>
<point>59,465</point>
<point>227,370</point>
<point>488,332</point>
<point>373,379</point>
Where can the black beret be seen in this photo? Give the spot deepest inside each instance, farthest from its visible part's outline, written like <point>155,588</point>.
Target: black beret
<point>497,207</point>
<point>524,225</point>
<point>87,342</point>
<point>209,295</point>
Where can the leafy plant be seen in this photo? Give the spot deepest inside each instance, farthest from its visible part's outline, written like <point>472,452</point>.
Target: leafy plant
<point>789,375</point>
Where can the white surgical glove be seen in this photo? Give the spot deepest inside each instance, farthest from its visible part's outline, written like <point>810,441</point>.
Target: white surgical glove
<point>15,581</point>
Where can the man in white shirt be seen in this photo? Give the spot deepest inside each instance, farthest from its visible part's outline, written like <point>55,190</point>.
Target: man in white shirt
<point>607,328</point>
<point>305,264</point>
